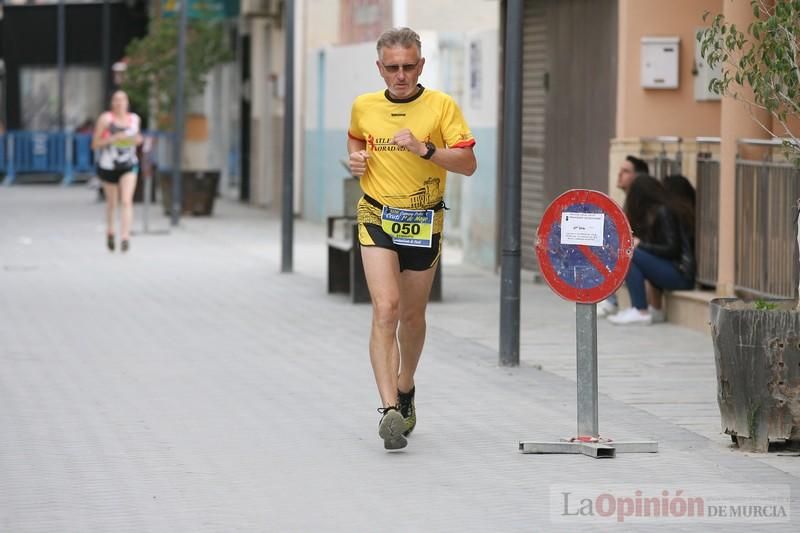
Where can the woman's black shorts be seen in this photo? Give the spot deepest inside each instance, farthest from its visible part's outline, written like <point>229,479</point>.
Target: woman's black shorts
<point>113,176</point>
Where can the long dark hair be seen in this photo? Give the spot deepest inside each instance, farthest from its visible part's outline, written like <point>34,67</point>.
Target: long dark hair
<point>681,194</point>
<point>645,195</point>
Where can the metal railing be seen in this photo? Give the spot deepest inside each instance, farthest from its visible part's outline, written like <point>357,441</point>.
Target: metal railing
<point>64,154</point>
<point>707,212</point>
<point>766,236</point>
<point>35,152</point>
<point>663,163</point>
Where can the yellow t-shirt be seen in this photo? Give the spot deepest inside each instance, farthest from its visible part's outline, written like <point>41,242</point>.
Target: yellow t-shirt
<point>395,176</point>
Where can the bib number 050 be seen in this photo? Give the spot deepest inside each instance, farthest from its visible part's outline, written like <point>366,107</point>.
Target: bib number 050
<point>408,227</point>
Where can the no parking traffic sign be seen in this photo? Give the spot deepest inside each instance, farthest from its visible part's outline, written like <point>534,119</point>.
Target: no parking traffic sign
<point>584,246</point>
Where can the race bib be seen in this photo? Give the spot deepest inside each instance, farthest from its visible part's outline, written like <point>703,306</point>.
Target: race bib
<point>408,227</point>
<point>128,142</point>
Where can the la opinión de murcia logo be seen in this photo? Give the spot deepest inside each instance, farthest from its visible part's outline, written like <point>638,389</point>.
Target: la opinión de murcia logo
<point>663,505</point>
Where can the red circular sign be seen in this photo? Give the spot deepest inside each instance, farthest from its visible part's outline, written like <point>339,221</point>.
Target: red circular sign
<point>584,246</point>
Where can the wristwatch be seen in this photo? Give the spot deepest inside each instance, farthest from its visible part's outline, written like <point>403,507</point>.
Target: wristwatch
<point>431,149</point>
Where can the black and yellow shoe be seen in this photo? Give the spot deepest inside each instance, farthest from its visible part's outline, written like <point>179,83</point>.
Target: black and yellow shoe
<point>391,428</point>
<point>407,409</point>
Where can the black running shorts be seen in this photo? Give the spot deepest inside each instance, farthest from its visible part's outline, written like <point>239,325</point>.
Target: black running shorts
<point>410,257</point>
<point>113,176</point>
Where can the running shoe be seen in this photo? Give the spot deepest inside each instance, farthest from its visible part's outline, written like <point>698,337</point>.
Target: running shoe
<point>405,404</point>
<point>406,407</point>
<point>110,242</point>
<point>125,245</point>
<point>391,428</point>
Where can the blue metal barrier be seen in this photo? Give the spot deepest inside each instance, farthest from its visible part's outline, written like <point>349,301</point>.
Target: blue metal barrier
<point>62,153</point>
<point>38,152</point>
<point>9,165</point>
<point>79,156</point>
<point>84,155</point>
<point>2,154</point>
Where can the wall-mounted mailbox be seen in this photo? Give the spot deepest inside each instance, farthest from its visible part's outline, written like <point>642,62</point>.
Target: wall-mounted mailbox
<point>660,62</point>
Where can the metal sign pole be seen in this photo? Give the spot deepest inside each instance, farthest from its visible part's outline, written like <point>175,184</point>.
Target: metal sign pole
<point>588,441</point>
<point>177,140</point>
<point>147,175</point>
<point>512,203</point>
<point>287,207</point>
<point>105,46</point>
<point>61,59</point>
<point>586,328</point>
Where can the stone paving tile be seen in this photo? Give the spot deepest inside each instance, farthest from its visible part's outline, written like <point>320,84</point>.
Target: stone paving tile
<point>189,386</point>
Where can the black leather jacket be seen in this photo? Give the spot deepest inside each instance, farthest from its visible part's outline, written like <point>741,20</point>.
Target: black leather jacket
<point>666,238</point>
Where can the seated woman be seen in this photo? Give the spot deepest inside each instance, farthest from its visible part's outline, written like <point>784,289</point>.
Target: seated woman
<point>663,253</point>
<point>681,196</point>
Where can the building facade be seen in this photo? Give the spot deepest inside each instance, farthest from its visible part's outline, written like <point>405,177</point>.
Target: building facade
<point>606,78</point>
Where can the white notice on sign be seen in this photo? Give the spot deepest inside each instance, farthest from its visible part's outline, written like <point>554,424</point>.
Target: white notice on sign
<point>582,228</point>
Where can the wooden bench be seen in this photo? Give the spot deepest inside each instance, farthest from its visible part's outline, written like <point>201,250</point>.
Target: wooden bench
<point>345,269</point>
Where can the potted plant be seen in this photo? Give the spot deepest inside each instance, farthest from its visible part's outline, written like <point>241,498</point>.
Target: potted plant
<point>757,344</point>
<point>150,80</point>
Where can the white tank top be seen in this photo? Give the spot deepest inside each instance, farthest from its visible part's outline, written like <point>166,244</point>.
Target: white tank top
<point>122,155</point>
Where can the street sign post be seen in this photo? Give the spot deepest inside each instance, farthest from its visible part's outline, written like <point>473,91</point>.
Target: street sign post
<point>584,246</point>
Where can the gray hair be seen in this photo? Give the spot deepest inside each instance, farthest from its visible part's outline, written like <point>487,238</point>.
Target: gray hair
<point>405,37</point>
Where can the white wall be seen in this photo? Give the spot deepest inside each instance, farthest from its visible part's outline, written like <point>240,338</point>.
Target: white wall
<point>452,15</point>
<point>481,78</point>
<point>478,229</point>
<point>322,23</point>
<point>350,71</point>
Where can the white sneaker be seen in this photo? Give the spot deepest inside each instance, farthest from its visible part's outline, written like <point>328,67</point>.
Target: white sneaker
<point>631,317</point>
<point>606,308</point>
<point>658,315</point>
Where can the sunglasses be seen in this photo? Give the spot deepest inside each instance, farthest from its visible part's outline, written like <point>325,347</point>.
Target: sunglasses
<point>394,69</point>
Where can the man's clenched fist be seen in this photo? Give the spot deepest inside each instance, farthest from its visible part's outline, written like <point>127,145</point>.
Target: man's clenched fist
<point>358,163</point>
<point>407,140</point>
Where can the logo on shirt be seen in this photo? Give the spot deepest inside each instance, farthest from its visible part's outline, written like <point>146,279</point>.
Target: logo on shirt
<point>383,144</point>
<point>425,196</point>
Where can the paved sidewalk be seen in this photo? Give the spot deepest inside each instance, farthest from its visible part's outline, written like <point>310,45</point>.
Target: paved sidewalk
<point>189,386</point>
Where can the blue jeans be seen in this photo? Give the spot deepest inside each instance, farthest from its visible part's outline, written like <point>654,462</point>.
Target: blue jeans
<point>661,273</point>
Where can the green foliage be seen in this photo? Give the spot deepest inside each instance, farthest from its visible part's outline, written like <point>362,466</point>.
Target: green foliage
<point>763,305</point>
<point>152,61</point>
<point>764,57</point>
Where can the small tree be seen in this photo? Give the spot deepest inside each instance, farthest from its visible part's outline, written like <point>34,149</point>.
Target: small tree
<point>152,61</point>
<point>765,58</point>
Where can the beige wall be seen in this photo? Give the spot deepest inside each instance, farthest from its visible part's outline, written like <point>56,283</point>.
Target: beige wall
<point>452,15</point>
<point>321,23</point>
<point>651,112</point>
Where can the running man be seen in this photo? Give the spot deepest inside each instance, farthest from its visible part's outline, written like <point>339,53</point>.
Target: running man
<point>402,142</point>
